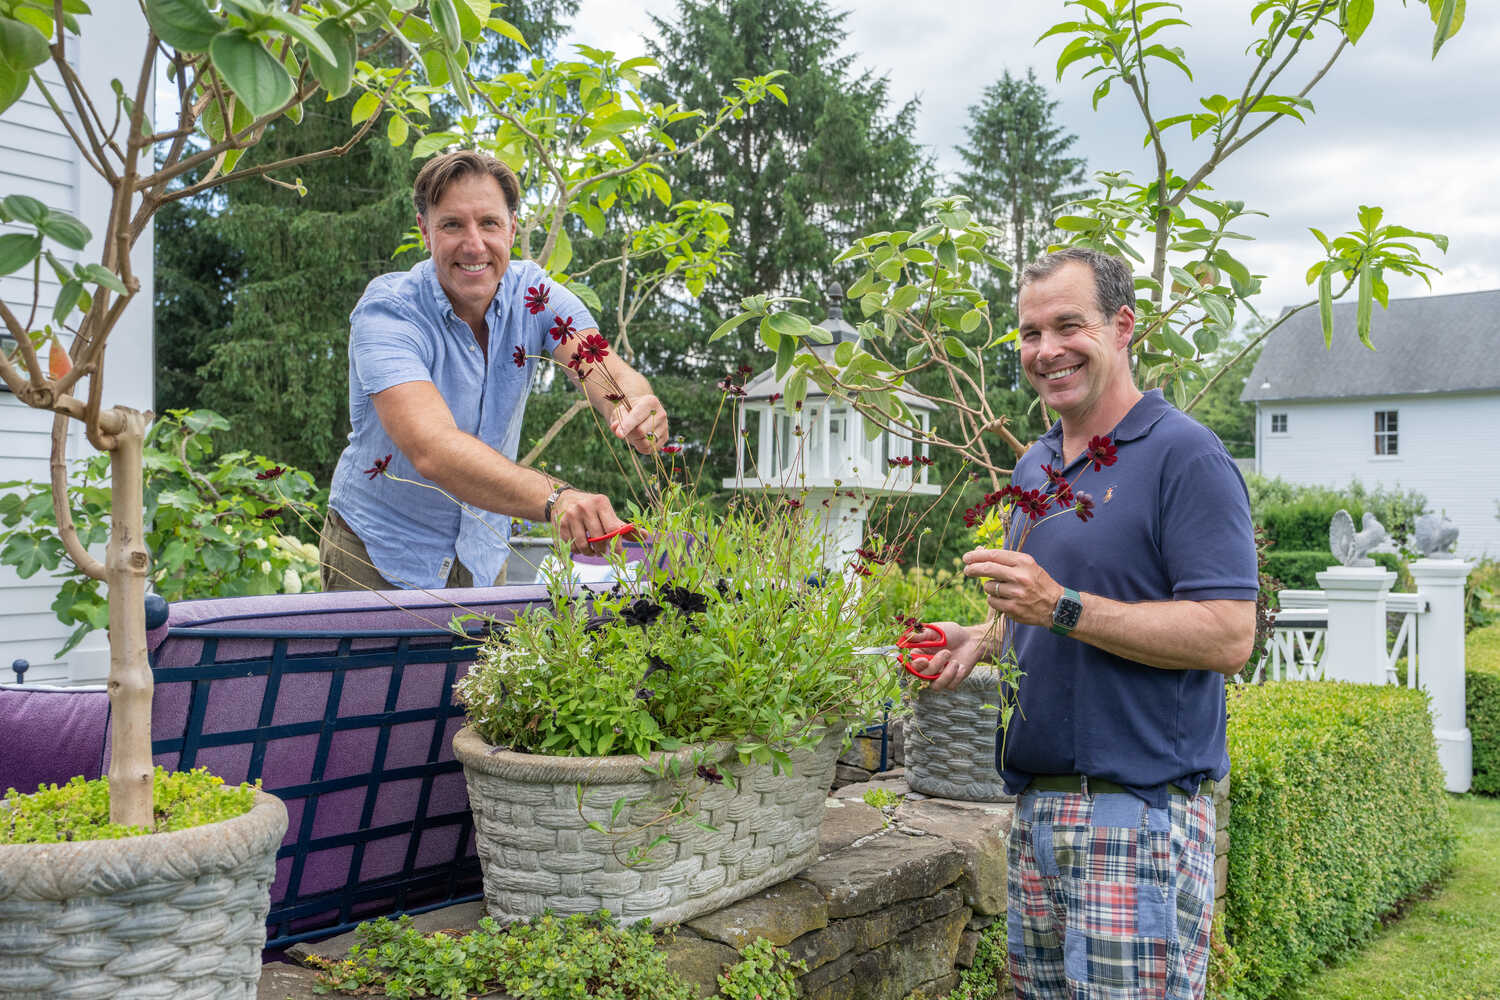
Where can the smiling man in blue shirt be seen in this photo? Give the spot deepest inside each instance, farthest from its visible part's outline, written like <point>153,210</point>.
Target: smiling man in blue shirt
<point>1125,628</point>
<point>440,363</point>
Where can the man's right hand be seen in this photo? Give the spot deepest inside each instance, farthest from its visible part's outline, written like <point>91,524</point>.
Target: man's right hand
<point>578,516</point>
<point>953,662</point>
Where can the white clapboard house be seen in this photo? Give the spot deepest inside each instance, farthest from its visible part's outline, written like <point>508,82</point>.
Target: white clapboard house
<point>1421,411</point>
<point>37,158</point>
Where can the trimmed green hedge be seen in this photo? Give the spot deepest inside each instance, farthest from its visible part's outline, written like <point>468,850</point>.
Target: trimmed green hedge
<point>1298,569</point>
<point>1482,693</point>
<point>1337,814</point>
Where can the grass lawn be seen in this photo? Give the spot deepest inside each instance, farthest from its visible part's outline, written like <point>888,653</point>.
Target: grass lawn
<point>1446,947</point>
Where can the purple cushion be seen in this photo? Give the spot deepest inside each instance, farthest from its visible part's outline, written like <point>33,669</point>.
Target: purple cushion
<point>50,735</point>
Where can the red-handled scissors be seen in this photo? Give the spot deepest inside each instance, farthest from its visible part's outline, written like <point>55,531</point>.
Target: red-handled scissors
<point>906,643</point>
<point>623,531</point>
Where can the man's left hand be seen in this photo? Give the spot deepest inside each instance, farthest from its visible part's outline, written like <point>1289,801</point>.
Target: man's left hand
<point>643,425</point>
<point>1014,584</point>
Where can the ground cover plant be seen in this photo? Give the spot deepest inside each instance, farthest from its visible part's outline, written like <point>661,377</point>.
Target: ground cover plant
<point>548,958</point>
<point>79,809</point>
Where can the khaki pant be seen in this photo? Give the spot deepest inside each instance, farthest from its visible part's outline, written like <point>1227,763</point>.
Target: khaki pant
<point>345,563</point>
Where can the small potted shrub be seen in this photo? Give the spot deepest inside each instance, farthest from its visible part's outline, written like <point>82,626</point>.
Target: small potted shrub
<point>90,908</point>
<point>665,747</point>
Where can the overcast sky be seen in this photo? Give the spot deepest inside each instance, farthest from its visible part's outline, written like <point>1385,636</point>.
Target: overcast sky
<point>1394,128</point>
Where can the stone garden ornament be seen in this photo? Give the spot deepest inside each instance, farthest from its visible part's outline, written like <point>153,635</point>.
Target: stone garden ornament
<point>1350,547</point>
<point>1436,536</point>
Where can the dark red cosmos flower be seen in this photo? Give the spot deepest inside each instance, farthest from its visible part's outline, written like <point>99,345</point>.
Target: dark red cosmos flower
<point>923,460</point>
<point>1101,451</point>
<point>1064,496</point>
<point>614,397</point>
<point>519,357</point>
<point>710,774</point>
<point>861,569</point>
<point>774,397</point>
<point>1083,506</point>
<point>274,472</point>
<point>1055,478</point>
<point>725,385</point>
<point>1034,503</point>
<point>746,369</point>
<point>271,512</point>
<point>973,515</point>
<point>594,348</point>
<point>563,329</point>
<point>792,503</point>
<point>379,466</point>
<point>670,449</point>
<point>536,298</point>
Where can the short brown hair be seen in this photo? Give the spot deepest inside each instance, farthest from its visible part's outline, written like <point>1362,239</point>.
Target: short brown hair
<point>441,171</point>
<point>1114,285</point>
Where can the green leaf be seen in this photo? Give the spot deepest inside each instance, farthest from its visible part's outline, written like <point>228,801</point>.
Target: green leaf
<point>1447,18</point>
<point>586,295</point>
<point>24,208</point>
<point>729,326</point>
<point>432,142</point>
<point>13,84</point>
<point>17,250</point>
<point>1325,305</point>
<point>444,17</point>
<point>562,253</point>
<point>396,130</point>
<point>186,25</point>
<point>305,33</point>
<point>1177,343</point>
<point>948,255</point>
<point>255,76</point>
<point>336,75</point>
<point>785,352</point>
<point>843,354</point>
<point>1206,340</point>
<point>790,324</point>
<point>65,229</point>
<point>22,47</point>
<point>796,388</point>
<point>906,296</point>
<point>1364,306</point>
<point>67,299</point>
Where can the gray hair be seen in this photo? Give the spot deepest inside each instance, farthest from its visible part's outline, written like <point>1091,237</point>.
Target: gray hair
<point>1114,285</point>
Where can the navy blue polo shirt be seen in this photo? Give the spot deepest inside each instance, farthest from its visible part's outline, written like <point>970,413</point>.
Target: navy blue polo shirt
<point>1172,522</point>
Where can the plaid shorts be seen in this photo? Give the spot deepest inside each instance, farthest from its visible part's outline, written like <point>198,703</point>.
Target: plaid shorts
<point>1110,898</point>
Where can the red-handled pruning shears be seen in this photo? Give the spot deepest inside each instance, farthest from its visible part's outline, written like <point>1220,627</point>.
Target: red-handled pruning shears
<point>623,531</point>
<point>906,644</point>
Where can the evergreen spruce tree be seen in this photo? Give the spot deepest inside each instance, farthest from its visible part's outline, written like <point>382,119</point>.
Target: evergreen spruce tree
<point>1018,172</point>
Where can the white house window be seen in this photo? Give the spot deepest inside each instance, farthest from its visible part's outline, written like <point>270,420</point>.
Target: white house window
<point>1278,423</point>
<point>1385,432</point>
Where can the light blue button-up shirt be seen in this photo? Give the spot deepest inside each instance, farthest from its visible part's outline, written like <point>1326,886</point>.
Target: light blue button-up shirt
<point>404,329</point>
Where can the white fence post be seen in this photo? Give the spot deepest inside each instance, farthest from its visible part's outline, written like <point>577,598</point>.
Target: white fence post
<point>1356,622</point>
<point>1440,648</point>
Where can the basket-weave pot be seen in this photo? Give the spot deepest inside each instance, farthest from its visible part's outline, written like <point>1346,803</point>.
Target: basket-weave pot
<point>538,853</point>
<point>950,740</point>
<point>176,916</point>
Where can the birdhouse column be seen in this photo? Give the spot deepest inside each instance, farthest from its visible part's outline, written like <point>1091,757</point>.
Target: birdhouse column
<point>1356,623</point>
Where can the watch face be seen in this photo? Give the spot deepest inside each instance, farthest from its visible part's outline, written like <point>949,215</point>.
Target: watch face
<point>1066,613</point>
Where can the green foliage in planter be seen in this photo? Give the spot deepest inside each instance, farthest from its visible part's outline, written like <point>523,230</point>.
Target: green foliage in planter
<point>1337,815</point>
<point>217,525</point>
<point>79,810</point>
<point>1482,692</point>
<point>744,636</point>
<point>548,958</point>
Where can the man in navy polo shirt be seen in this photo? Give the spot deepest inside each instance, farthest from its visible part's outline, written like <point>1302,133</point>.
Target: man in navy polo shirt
<point>1126,626</point>
<point>441,359</point>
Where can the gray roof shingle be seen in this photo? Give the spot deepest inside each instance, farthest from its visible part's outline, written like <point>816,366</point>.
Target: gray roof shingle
<point>1437,343</point>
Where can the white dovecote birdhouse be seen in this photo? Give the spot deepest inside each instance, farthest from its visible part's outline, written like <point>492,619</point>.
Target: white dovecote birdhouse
<point>822,453</point>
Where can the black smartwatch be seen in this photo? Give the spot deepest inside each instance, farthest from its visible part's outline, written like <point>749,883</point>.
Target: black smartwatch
<point>557,491</point>
<point>1065,615</point>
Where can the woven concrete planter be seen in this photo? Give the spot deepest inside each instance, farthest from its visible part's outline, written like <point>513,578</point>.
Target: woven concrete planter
<point>538,853</point>
<point>950,740</point>
<point>178,916</point>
